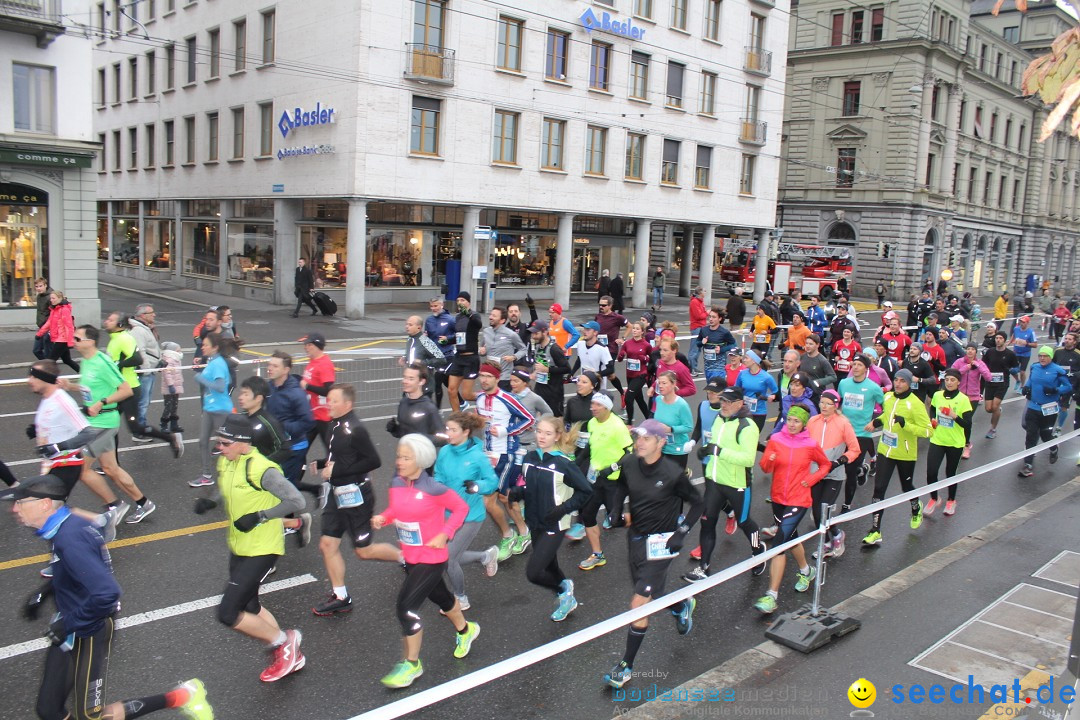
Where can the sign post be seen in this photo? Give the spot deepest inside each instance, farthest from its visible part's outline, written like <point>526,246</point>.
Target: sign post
<point>483,234</point>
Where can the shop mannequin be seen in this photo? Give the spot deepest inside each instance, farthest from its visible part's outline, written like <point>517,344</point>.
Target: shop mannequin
<point>22,256</point>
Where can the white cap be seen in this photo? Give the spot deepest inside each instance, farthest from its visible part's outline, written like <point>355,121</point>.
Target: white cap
<point>957,318</point>
<point>887,303</point>
<point>603,399</point>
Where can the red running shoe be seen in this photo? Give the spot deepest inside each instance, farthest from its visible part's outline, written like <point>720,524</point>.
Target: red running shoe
<point>731,525</point>
<point>287,658</point>
<point>695,554</point>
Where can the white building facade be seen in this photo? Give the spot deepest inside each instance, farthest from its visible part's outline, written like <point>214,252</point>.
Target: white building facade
<point>374,139</point>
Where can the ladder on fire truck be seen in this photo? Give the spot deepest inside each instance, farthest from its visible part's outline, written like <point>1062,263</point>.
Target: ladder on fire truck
<point>792,250</point>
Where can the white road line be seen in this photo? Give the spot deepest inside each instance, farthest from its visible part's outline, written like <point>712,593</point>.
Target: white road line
<point>1023,633</point>
<point>164,613</point>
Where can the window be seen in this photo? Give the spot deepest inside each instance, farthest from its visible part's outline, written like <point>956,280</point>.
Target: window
<point>703,167</point>
<point>982,59</point>
<point>856,27</point>
<point>211,137</point>
<point>1016,194</point>
<point>1001,190</point>
<point>34,97</point>
<point>1011,34</point>
<point>116,149</point>
<point>595,150</point>
<point>877,24</point>
<point>151,72</point>
<point>837,34</point>
<point>746,175</point>
<point>268,21</point>
<point>675,73</point>
<point>551,144</point>
<point>753,102</point>
<point>930,184</point>
<point>955,177</point>
<point>639,75</point>
<point>116,5</point>
<point>101,74</point>
<point>973,175</point>
<point>238,133</point>
<point>962,115</point>
<point>600,66</point>
<point>997,65</point>
<point>712,19</point>
<point>988,181</point>
<point>266,129</point>
<point>852,92</point>
<point>1008,133</point>
<point>1020,139</point>
<point>151,9</point>
<point>116,90</point>
<point>708,93</point>
<point>429,22</point>
<point>504,138</point>
<point>214,37</point>
<point>511,32</point>
<point>678,14</point>
<point>935,95</point>
<point>240,43</point>
<point>993,127</point>
<point>643,9</point>
<point>189,140</point>
<point>424,132</point>
<point>192,66</point>
<point>978,123</point>
<point>133,148</point>
<point>635,153</point>
<point>170,67</point>
<point>133,78</point>
<point>170,143</point>
<point>669,166</point>
<point>558,43</point>
<point>757,33</point>
<point>151,140</point>
<point>845,167</point>
<point>102,160</point>
<point>101,21</point>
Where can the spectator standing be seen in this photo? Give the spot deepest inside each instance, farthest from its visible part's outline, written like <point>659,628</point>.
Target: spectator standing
<point>148,341</point>
<point>42,343</point>
<point>736,310</point>
<point>303,286</point>
<point>617,290</point>
<point>658,280</point>
<point>603,285</point>
<point>698,317</point>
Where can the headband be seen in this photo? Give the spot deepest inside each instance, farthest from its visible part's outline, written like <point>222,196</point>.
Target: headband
<point>43,376</point>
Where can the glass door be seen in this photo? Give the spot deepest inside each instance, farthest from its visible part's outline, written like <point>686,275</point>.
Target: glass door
<point>586,269</point>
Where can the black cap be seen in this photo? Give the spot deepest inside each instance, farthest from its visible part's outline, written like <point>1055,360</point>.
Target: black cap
<point>237,428</point>
<point>715,385</point>
<point>539,326</point>
<point>316,339</point>
<point>464,294</point>
<point>731,394</point>
<point>42,486</point>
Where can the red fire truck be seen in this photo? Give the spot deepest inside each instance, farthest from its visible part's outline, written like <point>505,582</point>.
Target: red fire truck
<point>811,269</point>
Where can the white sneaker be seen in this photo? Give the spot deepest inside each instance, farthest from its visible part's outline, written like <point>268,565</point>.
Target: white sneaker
<point>491,560</point>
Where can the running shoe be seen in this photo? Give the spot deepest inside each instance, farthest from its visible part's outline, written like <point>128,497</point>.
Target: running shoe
<point>619,675</point>
<point>872,538</point>
<point>287,658</point>
<point>684,617</point>
<point>950,507</point>
<point>506,545</point>
<point>141,438</point>
<point>931,506</point>
<point>864,473</point>
<point>766,604</point>
<point>1053,454</point>
<point>491,561</point>
<point>1057,431</point>
<point>196,707</point>
<point>463,603</point>
<point>463,642</point>
<point>565,605</point>
<point>121,510</point>
<point>607,523</point>
<point>303,533</point>
<point>759,569</point>
<point>695,554</point>
<point>594,560</point>
<point>769,533</point>
<point>622,400</point>
<point>201,481</point>
<point>176,442</point>
<point>107,522</point>
<point>838,544</point>
<point>803,580</point>
<point>916,518</point>
<point>1026,471</point>
<point>520,544</point>
<point>465,406</point>
<point>403,674</point>
<point>731,525</point>
<point>46,572</point>
<point>333,605</point>
<point>966,455</point>
<point>991,434</point>
<point>826,548</point>
<point>324,495</point>
<point>576,532</point>
<point>695,575</point>
<point>141,511</point>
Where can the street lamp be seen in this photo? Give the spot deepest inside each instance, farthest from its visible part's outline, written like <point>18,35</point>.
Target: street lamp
<point>947,274</point>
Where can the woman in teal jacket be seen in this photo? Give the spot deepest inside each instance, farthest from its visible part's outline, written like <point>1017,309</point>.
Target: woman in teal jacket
<point>463,467</point>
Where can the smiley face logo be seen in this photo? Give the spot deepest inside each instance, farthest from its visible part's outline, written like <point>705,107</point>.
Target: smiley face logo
<point>862,693</point>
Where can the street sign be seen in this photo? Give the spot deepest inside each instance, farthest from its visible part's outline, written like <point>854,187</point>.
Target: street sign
<point>482,232</point>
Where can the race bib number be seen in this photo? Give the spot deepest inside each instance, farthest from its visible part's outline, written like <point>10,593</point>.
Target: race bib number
<point>843,365</point>
<point>760,338</point>
<point>460,338</point>
<point>853,401</point>
<point>582,440</point>
<point>591,476</point>
<point>751,405</point>
<point>945,421</point>
<point>890,439</point>
<point>670,439</point>
<point>706,436</point>
<point>914,384</point>
<point>88,400</point>
<point>633,365</point>
<point>1050,409</point>
<point>941,376</point>
<point>710,354</point>
<point>656,547</point>
<point>997,377</point>
<point>542,378</point>
<point>348,496</point>
<point>409,533</point>
<point>603,340</point>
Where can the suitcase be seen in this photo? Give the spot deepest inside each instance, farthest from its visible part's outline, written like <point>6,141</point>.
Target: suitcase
<point>325,303</point>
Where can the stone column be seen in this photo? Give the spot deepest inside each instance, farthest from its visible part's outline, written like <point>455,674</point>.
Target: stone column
<point>922,114</point>
<point>356,251</point>
<point>640,292</point>
<point>686,271</point>
<point>708,251</point>
<point>286,249</point>
<point>761,265</point>
<point>468,250</point>
<point>564,253</point>
<point>948,162</point>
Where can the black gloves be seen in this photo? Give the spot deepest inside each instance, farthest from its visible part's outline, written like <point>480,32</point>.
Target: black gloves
<point>842,460</point>
<point>31,431</point>
<point>247,523</point>
<point>472,487</point>
<point>392,426</point>
<point>899,421</point>
<point>675,542</point>
<point>705,451</point>
<point>1025,391</point>
<point>555,514</point>
<point>50,450</point>
<point>33,603</point>
<point>55,633</point>
<point>529,302</point>
<point>204,504</point>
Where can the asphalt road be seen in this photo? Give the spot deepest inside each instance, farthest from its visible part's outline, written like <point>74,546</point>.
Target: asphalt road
<point>173,560</point>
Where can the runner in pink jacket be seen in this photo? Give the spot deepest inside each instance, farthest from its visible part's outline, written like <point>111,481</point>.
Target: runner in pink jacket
<point>973,372</point>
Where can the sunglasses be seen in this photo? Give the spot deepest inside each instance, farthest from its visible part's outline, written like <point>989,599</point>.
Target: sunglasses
<point>604,305</point>
<point>224,443</point>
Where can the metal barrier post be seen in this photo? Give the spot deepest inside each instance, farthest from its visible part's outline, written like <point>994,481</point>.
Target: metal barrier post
<point>820,565</point>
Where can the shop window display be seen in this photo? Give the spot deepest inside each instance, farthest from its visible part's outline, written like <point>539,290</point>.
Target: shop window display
<point>524,259</point>
<point>251,252</point>
<point>158,241</point>
<point>125,240</point>
<point>23,247</point>
<point>325,249</point>
<point>201,245</point>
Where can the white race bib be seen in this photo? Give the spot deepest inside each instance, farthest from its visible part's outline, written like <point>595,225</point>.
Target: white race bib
<point>945,421</point>
<point>656,547</point>
<point>348,496</point>
<point>603,340</point>
<point>751,405</point>
<point>710,354</point>
<point>997,377</point>
<point>542,378</point>
<point>1049,409</point>
<point>853,401</point>
<point>409,533</point>
<point>460,338</point>
<point>890,439</point>
<point>760,338</point>
<point>633,365</point>
<point>582,440</point>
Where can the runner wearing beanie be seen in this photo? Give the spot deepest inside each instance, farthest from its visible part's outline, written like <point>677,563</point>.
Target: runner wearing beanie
<point>834,434</point>
<point>952,420</point>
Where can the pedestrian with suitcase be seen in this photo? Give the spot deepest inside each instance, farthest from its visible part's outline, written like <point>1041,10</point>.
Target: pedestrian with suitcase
<point>303,287</point>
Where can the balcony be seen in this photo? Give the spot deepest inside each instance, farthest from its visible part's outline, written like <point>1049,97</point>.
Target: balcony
<point>40,18</point>
<point>752,132</point>
<point>429,64</point>
<point>757,61</point>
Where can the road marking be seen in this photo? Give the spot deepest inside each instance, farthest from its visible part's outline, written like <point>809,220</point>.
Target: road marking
<point>25,648</point>
<point>126,542</point>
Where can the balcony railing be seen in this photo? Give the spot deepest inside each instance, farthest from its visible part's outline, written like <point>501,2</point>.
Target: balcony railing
<point>40,18</point>
<point>758,61</point>
<point>429,63</point>
<point>752,132</point>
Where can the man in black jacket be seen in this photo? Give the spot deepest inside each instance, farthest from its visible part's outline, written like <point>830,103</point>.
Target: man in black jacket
<point>416,411</point>
<point>549,364</point>
<point>347,467</point>
<point>303,284</point>
<point>43,344</point>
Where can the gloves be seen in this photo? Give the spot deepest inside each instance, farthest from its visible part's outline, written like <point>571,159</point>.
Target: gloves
<point>55,633</point>
<point>555,514</point>
<point>933,424</point>
<point>247,523</point>
<point>842,460</point>
<point>615,519</point>
<point>204,504</point>
<point>31,431</point>
<point>33,603</point>
<point>703,452</point>
<point>675,542</point>
<point>899,421</point>
<point>688,447</point>
<point>50,450</point>
<point>392,426</point>
<point>529,302</point>
<point>516,494</point>
<point>1025,391</point>
<point>472,487</point>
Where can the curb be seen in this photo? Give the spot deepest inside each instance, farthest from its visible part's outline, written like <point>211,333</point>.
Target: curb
<point>758,659</point>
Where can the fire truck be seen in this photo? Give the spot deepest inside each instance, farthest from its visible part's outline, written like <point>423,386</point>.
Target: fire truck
<point>811,269</point>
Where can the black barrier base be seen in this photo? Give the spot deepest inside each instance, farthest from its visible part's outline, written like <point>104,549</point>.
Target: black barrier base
<point>805,632</point>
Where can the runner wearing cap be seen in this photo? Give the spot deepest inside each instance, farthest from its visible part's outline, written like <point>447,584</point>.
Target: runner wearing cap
<point>988,341</point>
<point>952,421</point>
<point>87,599</point>
<point>658,490</point>
<point>758,386</point>
<point>903,420</point>
<point>859,398</point>
<point>635,353</point>
<point>1043,390</point>
<point>733,366</point>
<point>674,412</point>
<point>715,341</point>
<point>562,331</point>
<point>462,370</point>
<point>729,454</point>
<point>549,366</point>
<point>1001,361</point>
<point>578,414</point>
<point>609,440</point>
<point>591,354</point>
<point>1023,340</point>
<point>318,378</point>
<point>835,435</point>
<point>505,419</point>
<point>973,372</point>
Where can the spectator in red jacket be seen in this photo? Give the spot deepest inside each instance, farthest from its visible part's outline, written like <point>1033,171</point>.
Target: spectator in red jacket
<point>699,315</point>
